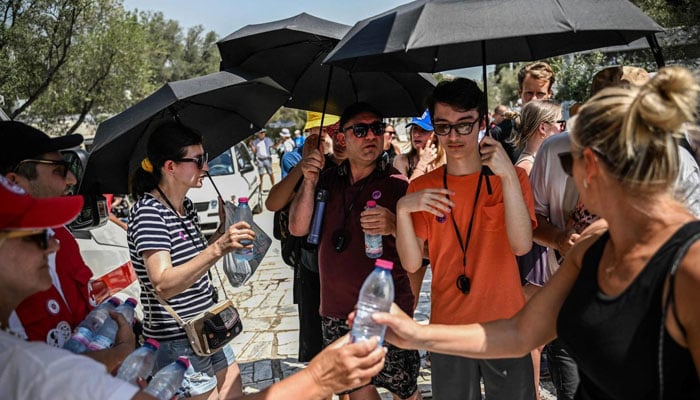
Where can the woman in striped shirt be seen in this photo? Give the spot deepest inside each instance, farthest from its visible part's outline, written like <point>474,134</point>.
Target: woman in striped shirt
<point>171,257</point>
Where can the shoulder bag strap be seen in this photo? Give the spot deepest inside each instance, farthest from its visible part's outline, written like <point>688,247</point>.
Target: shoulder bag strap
<point>677,258</point>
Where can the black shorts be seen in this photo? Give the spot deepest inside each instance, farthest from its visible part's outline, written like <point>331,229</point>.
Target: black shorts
<point>401,367</point>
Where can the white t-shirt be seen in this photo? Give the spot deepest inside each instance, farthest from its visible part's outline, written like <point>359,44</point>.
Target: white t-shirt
<point>35,370</point>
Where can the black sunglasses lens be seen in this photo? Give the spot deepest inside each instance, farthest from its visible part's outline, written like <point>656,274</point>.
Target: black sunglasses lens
<point>41,239</point>
<point>567,162</point>
<point>360,130</point>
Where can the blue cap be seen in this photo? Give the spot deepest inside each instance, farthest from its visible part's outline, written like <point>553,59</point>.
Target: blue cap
<point>423,121</point>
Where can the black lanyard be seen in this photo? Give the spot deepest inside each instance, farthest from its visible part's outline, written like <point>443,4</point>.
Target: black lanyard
<point>464,245</point>
<point>184,227</point>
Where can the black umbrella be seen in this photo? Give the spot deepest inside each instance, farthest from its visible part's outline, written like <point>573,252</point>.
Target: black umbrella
<point>225,107</point>
<point>291,52</point>
<point>441,35</point>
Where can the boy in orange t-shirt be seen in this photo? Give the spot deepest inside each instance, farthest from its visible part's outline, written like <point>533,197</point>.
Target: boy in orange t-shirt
<point>473,225</point>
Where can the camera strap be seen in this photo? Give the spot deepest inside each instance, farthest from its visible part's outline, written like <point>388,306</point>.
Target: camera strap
<point>464,245</point>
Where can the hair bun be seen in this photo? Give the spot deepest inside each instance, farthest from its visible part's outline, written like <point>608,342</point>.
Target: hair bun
<point>668,100</point>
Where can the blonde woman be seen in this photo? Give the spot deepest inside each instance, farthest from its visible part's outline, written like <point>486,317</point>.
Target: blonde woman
<point>625,311</point>
<point>539,120</point>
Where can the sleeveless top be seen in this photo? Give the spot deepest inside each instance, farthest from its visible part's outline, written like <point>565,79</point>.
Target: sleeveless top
<point>615,340</point>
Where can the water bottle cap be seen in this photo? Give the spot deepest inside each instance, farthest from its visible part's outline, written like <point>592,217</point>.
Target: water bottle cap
<point>242,200</point>
<point>115,301</point>
<point>384,264</point>
<point>371,203</point>
<point>153,343</point>
<point>132,302</point>
<point>183,361</point>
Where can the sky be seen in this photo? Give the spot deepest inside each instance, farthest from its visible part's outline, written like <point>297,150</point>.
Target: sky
<point>227,16</point>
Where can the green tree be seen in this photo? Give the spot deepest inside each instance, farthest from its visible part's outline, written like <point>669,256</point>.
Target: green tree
<point>104,72</point>
<point>36,38</point>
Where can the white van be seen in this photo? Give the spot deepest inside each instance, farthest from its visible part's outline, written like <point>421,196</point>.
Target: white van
<point>234,174</point>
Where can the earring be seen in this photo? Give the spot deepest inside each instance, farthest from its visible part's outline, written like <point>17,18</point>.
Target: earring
<point>585,184</point>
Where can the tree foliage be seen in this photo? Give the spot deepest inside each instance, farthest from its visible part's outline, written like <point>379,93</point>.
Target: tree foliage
<point>62,61</point>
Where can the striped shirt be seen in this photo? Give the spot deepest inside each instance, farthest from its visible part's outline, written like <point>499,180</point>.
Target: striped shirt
<point>153,226</point>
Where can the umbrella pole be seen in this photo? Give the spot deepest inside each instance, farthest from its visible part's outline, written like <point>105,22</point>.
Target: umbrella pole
<point>325,103</point>
<point>656,50</point>
<point>485,170</point>
<point>221,199</point>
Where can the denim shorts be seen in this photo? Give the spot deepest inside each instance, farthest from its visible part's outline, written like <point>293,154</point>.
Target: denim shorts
<point>401,367</point>
<point>201,376</point>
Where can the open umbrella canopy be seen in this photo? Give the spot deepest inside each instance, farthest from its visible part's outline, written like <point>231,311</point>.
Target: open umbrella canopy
<point>441,35</point>
<point>291,52</point>
<point>225,107</point>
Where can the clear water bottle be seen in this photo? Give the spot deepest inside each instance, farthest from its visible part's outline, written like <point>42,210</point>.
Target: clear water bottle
<point>168,380</point>
<point>373,243</point>
<point>128,310</point>
<point>139,364</point>
<point>376,295</point>
<point>85,331</point>
<point>104,337</point>
<point>244,213</point>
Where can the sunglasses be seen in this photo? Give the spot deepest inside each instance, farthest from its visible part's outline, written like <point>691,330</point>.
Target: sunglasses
<point>567,162</point>
<point>361,130</point>
<point>41,237</point>
<point>561,122</point>
<point>62,164</point>
<point>463,128</point>
<point>201,160</point>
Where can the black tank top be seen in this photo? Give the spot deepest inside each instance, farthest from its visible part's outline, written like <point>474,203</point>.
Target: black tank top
<point>615,340</point>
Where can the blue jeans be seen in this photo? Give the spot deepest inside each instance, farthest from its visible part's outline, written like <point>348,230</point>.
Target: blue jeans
<point>201,376</point>
<point>563,369</point>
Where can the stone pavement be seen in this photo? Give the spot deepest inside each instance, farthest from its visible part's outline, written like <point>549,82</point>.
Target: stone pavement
<point>267,349</point>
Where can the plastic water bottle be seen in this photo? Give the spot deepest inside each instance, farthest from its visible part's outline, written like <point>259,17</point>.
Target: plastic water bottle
<point>373,243</point>
<point>243,213</point>
<point>128,310</point>
<point>139,364</point>
<point>376,295</point>
<point>85,331</point>
<point>168,380</point>
<point>104,338</point>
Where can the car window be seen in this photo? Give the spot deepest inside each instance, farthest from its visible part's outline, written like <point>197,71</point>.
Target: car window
<point>245,159</point>
<point>221,165</point>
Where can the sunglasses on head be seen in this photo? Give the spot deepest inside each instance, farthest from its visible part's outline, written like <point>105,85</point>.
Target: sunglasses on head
<point>62,164</point>
<point>200,160</point>
<point>567,162</point>
<point>41,237</point>
<point>361,130</point>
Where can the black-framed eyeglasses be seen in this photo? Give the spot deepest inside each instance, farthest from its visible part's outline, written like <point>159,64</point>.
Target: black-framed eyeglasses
<point>200,160</point>
<point>361,130</point>
<point>392,133</point>
<point>462,128</point>
<point>562,124</point>
<point>567,162</point>
<point>63,164</point>
<point>41,237</point>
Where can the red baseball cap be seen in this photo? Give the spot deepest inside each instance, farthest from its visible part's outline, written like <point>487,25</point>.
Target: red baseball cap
<point>18,210</point>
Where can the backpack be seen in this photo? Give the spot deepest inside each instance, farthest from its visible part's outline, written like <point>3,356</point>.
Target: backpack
<point>290,244</point>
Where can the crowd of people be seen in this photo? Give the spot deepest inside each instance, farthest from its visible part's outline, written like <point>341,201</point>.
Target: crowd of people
<point>574,237</point>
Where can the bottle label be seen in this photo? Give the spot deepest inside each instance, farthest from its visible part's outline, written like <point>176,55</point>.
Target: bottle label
<point>100,342</point>
<point>82,335</point>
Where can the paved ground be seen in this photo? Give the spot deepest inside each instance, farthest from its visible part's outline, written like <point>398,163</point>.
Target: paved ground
<point>267,348</point>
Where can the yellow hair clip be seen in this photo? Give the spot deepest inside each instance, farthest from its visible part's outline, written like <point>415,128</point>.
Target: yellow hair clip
<point>146,165</point>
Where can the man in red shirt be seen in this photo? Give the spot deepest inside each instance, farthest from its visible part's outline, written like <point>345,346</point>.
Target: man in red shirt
<point>31,159</point>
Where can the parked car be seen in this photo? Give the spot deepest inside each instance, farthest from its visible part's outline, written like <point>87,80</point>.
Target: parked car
<point>234,174</point>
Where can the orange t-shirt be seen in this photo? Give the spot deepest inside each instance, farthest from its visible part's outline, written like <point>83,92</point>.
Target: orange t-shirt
<point>496,291</point>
